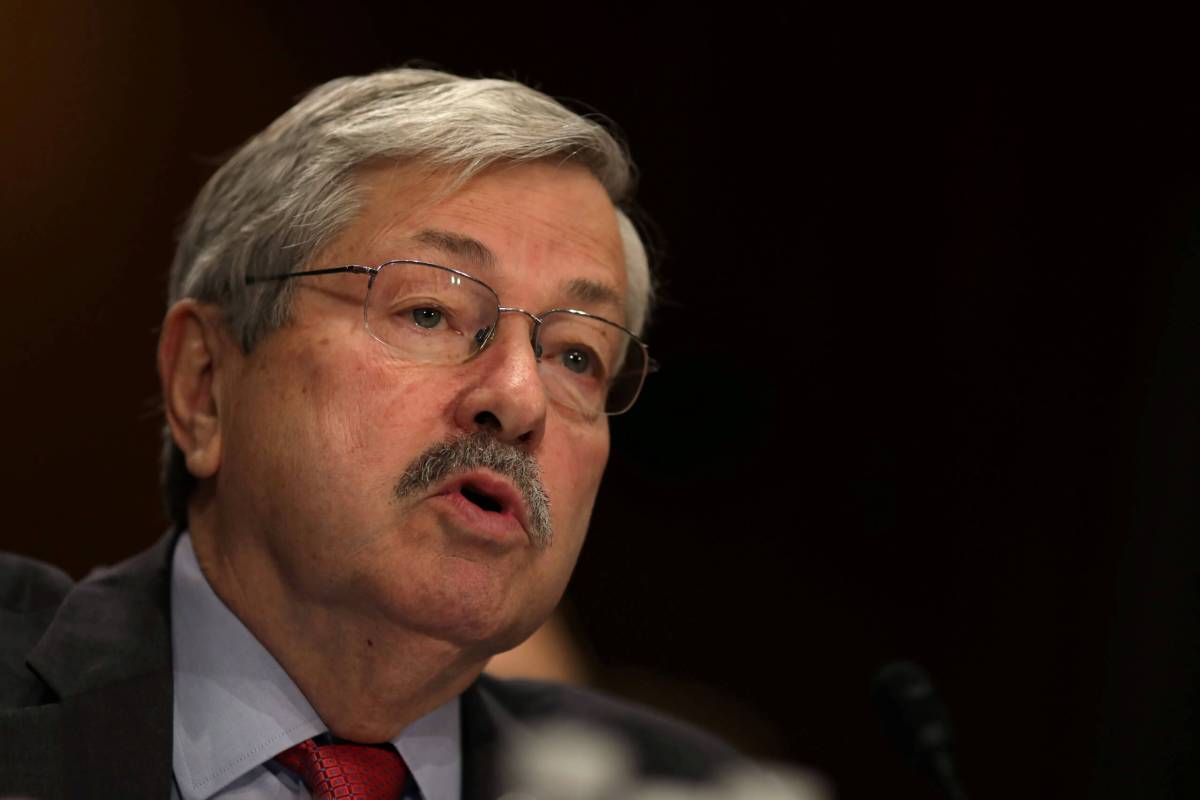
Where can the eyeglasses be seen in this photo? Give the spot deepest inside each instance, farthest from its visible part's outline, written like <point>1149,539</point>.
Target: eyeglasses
<point>431,314</point>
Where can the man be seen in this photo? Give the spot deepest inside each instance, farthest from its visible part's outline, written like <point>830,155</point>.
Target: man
<point>399,319</point>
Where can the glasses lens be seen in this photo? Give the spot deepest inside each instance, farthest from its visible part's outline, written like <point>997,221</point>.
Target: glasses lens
<point>429,313</point>
<point>590,364</point>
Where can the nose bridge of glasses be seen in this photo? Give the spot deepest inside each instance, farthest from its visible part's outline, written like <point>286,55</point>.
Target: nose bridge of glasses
<point>533,333</point>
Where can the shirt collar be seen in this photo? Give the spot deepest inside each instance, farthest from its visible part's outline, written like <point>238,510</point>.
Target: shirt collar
<point>236,707</point>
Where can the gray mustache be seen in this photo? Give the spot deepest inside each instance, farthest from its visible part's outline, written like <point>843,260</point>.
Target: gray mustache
<point>483,451</point>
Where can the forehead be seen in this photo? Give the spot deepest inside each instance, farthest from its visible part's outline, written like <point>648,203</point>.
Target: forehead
<point>519,227</point>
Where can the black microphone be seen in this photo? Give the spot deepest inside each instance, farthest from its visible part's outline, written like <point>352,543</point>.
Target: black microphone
<point>915,719</point>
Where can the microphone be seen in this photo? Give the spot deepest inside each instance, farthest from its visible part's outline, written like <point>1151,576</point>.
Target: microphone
<point>915,719</point>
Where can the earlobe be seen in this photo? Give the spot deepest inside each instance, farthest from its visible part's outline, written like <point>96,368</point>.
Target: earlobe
<point>190,354</point>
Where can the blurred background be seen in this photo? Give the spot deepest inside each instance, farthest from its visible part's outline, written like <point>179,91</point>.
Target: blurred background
<point>929,333</point>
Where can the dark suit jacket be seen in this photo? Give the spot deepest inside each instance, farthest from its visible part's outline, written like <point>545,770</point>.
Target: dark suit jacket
<point>86,682</point>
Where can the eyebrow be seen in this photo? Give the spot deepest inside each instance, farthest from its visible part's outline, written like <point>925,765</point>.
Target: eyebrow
<point>584,291</point>
<point>578,290</point>
<point>455,244</point>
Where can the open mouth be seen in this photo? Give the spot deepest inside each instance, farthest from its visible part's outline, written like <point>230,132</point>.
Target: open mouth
<point>481,498</point>
<point>501,503</point>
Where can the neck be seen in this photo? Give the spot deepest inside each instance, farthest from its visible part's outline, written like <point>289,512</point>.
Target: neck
<point>366,679</point>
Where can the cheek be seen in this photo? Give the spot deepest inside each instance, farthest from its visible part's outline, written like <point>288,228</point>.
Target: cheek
<point>573,471</point>
<point>326,403</point>
<point>372,410</point>
<point>339,421</point>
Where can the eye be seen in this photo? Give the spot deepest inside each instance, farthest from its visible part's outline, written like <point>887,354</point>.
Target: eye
<point>576,360</point>
<point>427,318</point>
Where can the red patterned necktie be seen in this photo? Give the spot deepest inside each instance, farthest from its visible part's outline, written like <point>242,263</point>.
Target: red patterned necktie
<point>347,771</point>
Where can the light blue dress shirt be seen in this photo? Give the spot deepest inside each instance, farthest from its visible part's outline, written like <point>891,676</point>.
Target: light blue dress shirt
<point>235,708</point>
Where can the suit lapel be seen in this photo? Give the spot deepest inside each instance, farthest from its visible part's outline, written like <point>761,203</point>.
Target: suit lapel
<point>107,659</point>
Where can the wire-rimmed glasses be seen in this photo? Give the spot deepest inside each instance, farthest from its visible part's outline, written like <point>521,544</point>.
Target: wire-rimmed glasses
<point>432,314</point>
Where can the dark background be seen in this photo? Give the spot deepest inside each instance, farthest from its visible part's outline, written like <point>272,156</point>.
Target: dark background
<point>928,336</point>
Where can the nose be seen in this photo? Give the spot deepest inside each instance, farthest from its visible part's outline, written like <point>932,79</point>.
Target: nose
<point>506,396</point>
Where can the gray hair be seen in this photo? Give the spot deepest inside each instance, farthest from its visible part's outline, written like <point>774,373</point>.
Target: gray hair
<point>292,189</point>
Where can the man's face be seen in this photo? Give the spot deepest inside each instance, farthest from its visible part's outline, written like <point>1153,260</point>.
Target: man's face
<point>321,421</point>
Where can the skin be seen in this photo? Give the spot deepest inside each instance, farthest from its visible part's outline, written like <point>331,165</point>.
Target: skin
<point>382,609</point>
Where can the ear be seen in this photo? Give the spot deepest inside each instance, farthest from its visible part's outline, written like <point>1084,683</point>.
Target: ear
<point>192,349</point>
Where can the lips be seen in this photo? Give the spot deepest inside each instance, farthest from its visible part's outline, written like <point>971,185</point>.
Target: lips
<point>486,497</point>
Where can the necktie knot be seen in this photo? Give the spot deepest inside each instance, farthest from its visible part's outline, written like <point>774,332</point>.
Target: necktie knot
<point>347,771</point>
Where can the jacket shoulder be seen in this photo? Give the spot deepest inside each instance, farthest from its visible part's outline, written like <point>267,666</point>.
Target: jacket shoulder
<point>30,585</point>
<point>30,594</point>
<point>663,746</point>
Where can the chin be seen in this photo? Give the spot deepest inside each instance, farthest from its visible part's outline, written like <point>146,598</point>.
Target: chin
<point>475,611</point>
<point>482,636</point>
